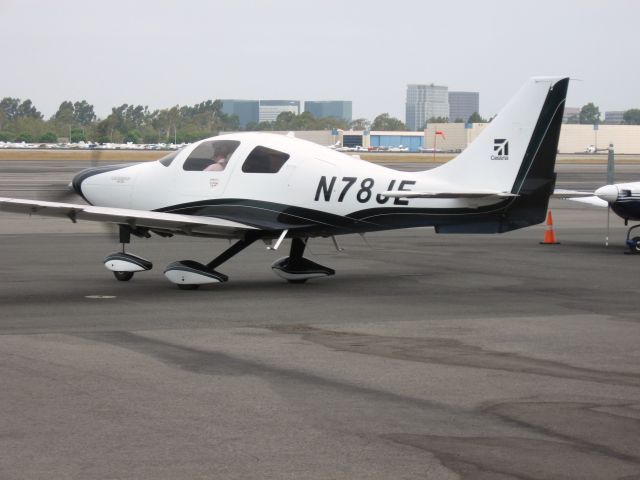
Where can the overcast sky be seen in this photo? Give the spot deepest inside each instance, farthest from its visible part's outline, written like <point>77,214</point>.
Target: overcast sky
<point>163,52</point>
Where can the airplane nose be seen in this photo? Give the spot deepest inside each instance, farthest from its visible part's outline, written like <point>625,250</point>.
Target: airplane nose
<point>608,193</point>
<point>76,183</point>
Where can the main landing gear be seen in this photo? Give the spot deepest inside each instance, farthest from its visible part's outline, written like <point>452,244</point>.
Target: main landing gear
<point>297,269</point>
<point>189,274</point>
<point>633,243</point>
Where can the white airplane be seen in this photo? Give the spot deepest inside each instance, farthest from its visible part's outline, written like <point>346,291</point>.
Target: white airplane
<point>399,148</point>
<point>257,186</point>
<point>622,198</point>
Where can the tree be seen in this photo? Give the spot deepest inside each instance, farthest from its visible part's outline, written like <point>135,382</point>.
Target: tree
<point>285,121</point>
<point>632,117</point>
<point>83,113</point>
<point>590,114</point>
<point>48,137</point>
<point>438,120</point>
<point>25,137</point>
<point>476,118</point>
<point>384,122</point>
<point>359,124</point>
<point>27,110</point>
<point>64,115</point>
<point>7,136</point>
<point>9,106</point>
<point>77,135</point>
<point>132,136</point>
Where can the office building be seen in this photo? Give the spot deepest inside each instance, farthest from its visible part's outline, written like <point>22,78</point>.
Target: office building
<point>245,110</point>
<point>270,109</point>
<point>462,105</point>
<point>336,109</point>
<point>425,102</point>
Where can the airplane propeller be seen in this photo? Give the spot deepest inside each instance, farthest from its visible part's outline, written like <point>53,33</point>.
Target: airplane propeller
<point>63,193</point>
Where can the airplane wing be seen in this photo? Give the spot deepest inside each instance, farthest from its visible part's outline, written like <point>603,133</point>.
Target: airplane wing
<point>165,222</point>
<point>467,194</point>
<point>570,194</point>
<point>591,200</point>
<point>581,197</point>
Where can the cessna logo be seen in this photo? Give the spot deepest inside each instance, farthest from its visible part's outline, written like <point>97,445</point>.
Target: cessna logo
<point>501,149</point>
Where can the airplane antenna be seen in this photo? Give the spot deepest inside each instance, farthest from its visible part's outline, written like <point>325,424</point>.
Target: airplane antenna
<point>280,239</point>
<point>610,181</point>
<point>365,241</point>
<point>335,244</point>
<point>606,240</point>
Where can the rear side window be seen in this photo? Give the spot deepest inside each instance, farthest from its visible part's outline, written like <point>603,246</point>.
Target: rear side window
<point>210,156</point>
<point>264,160</point>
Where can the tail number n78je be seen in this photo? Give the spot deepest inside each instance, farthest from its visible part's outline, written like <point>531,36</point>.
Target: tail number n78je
<point>363,192</point>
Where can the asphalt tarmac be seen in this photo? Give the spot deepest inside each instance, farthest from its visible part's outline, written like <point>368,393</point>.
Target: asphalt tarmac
<point>426,357</point>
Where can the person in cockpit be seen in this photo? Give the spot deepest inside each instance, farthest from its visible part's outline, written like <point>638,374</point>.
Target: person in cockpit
<point>219,162</point>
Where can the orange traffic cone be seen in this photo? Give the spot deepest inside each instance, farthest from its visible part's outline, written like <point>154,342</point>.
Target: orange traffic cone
<point>549,234</point>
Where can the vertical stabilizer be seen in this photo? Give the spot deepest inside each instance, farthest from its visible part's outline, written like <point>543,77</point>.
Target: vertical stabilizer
<point>516,154</point>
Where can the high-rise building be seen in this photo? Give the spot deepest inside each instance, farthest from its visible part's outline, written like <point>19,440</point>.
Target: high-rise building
<point>425,102</point>
<point>246,110</point>
<point>336,109</point>
<point>462,105</point>
<point>270,109</point>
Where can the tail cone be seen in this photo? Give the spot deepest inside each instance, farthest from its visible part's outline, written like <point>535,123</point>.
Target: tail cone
<point>549,234</point>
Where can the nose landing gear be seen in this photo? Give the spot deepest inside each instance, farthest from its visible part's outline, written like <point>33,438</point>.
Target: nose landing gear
<point>123,264</point>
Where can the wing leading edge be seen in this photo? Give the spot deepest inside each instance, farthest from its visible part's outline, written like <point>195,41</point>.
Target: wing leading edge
<point>167,222</point>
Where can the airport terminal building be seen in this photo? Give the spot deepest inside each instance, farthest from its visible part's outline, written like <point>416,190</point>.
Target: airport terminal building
<point>573,138</point>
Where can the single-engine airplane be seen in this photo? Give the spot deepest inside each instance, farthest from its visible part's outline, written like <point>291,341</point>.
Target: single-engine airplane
<point>256,186</point>
<point>622,198</point>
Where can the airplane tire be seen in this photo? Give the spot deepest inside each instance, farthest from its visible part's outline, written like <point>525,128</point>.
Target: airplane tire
<point>123,276</point>
<point>636,245</point>
<point>186,286</point>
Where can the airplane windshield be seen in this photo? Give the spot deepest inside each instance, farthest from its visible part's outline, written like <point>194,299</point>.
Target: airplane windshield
<point>167,159</point>
<point>211,156</point>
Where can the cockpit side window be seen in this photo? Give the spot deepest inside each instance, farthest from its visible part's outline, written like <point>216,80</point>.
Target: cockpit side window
<point>211,156</point>
<point>264,160</point>
<point>167,159</point>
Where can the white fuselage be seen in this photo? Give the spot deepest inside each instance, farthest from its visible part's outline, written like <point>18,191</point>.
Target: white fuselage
<point>314,177</point>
